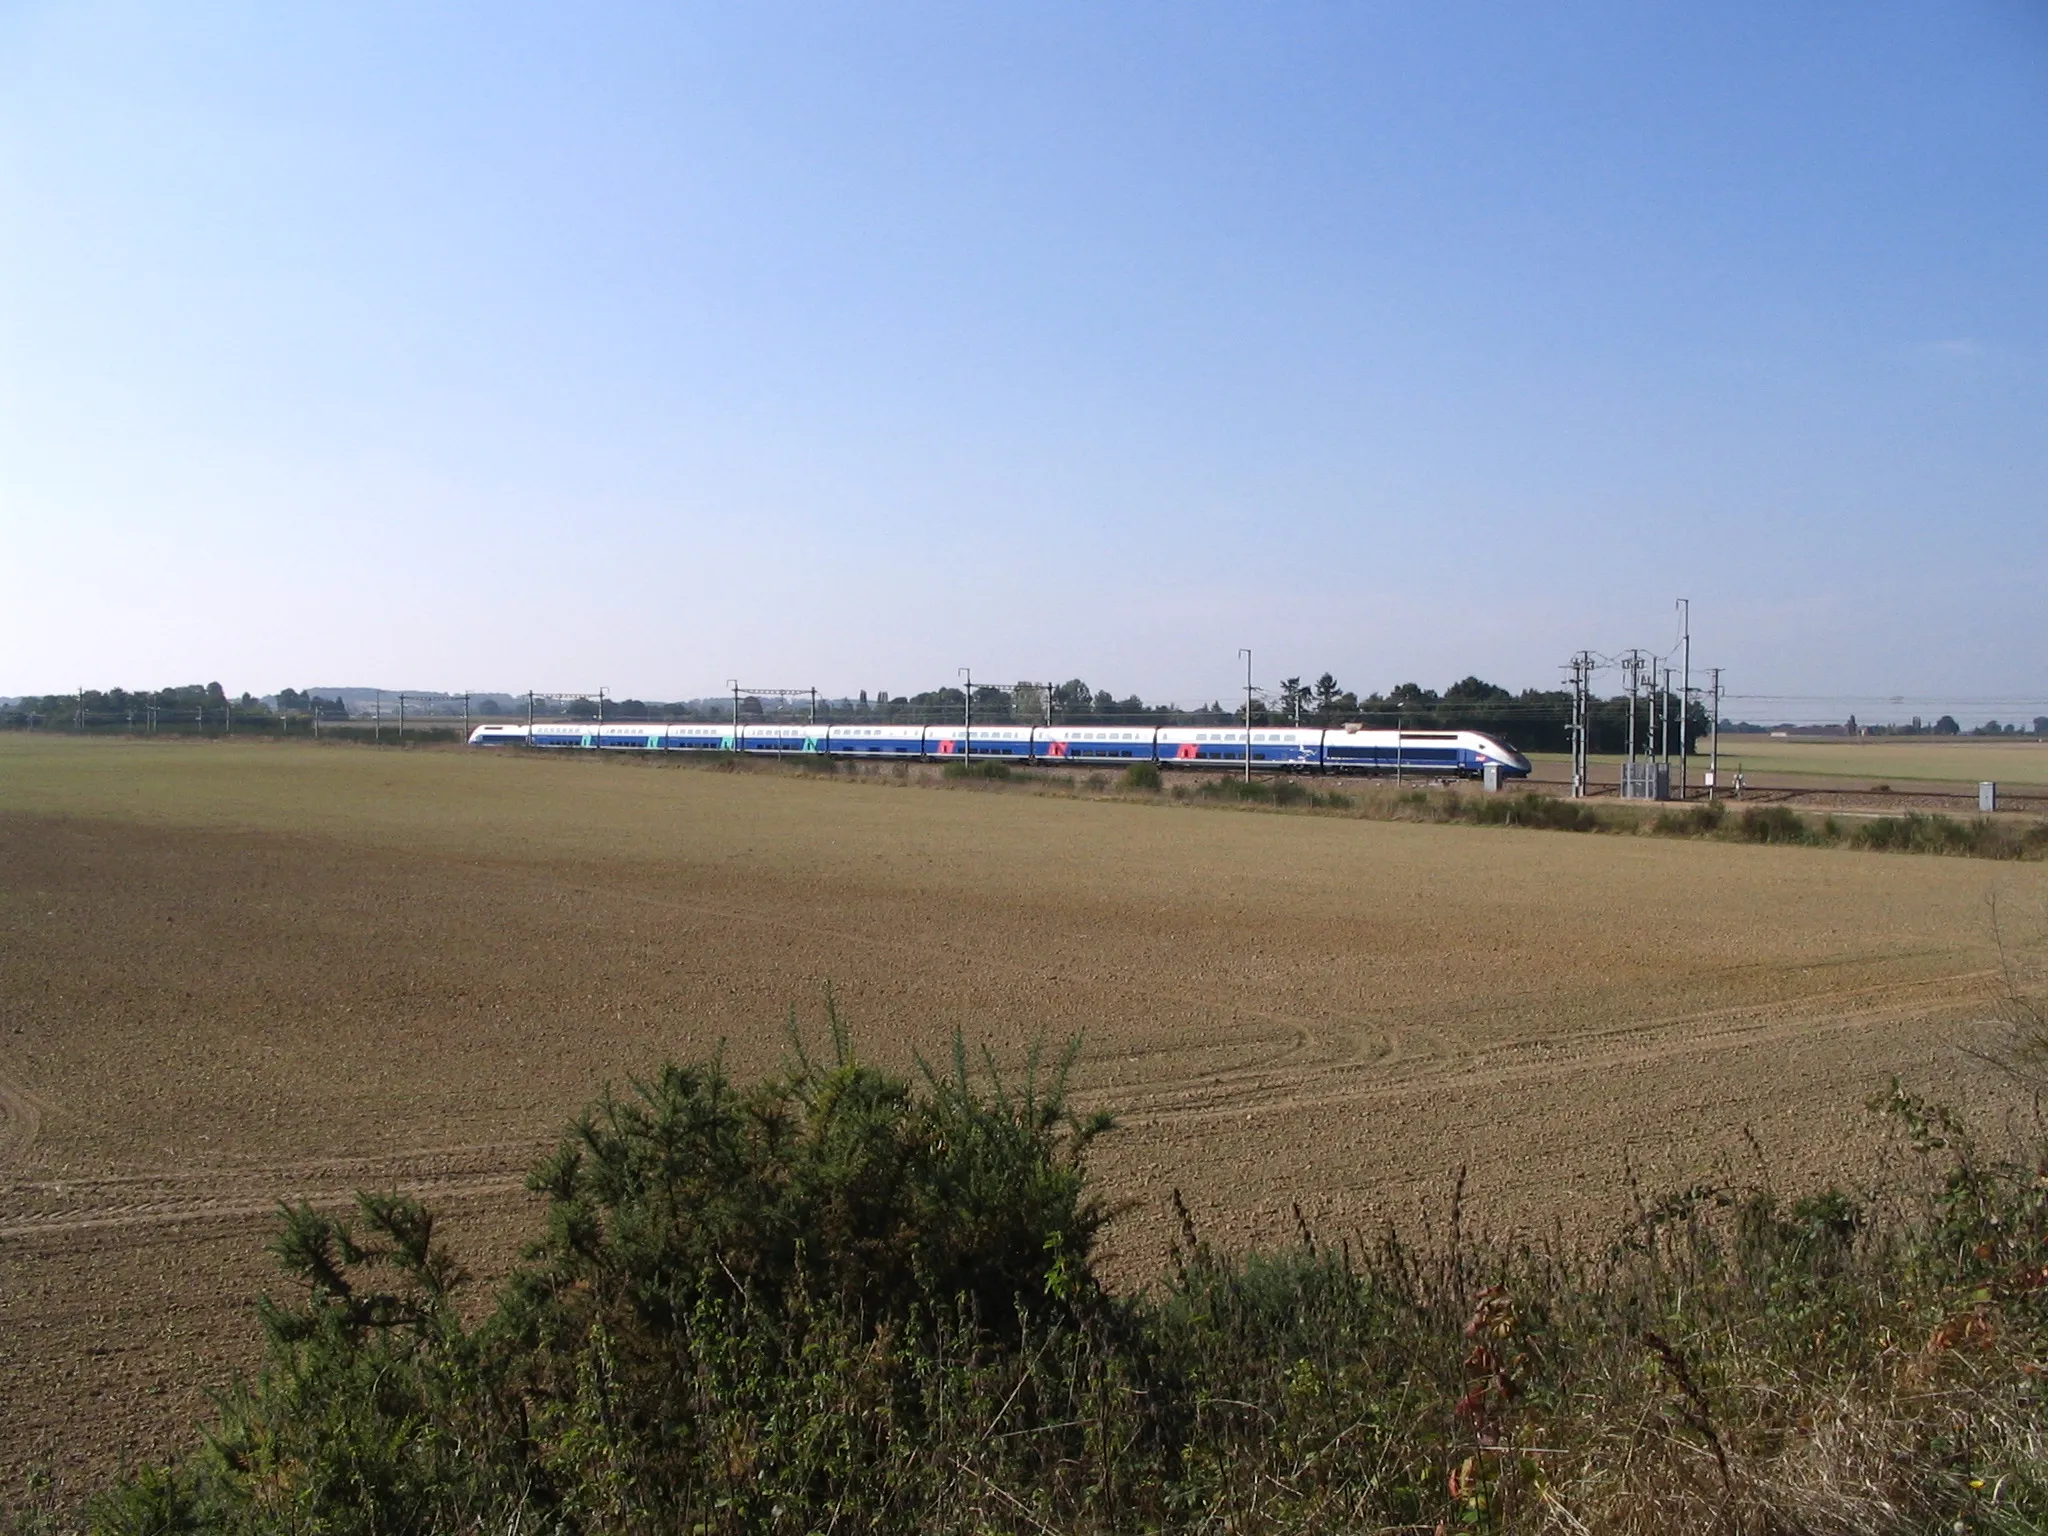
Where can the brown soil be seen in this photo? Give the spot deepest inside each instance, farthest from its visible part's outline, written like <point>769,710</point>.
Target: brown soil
<point>234,976</point>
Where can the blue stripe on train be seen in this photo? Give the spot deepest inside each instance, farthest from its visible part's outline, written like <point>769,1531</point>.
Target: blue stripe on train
<point>877,746</point>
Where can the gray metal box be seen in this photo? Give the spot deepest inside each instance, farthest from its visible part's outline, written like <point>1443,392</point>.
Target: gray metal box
<point>1645,781</point>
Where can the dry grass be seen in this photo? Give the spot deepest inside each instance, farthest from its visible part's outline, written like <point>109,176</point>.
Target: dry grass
<point>1950,761</point>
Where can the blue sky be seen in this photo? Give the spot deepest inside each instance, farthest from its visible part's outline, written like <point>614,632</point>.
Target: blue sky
<point>501,346</point>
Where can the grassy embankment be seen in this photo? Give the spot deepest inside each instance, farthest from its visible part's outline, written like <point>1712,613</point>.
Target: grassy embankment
<point>1912,832</point>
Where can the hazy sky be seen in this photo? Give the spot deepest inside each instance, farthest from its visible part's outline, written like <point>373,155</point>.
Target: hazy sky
<point>449,346</point>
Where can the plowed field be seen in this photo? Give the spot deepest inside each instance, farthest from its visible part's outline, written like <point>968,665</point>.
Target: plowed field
<point>233,974</point>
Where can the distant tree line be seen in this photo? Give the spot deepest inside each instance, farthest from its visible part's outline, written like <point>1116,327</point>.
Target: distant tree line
<point>193,708</point>
<point>1947,725</point>
<point>1536,719</point>
<point>196,706</point>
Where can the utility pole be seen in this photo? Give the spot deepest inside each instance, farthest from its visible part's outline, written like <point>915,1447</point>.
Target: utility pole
<point>1632,664</point>
<point>1656,720</point>
<point>465,714</point>
<point>401,719</point>
<point>1247,655</point>
<point>1664,718</point>
<point>734,684</point>
<point>529,717</point>
<point>1571,730</point>
<point>1582,671</point>
<point>966,675</point>
<point>814,706</point>
<point>1714,739</point>
<point>600,705</point>
<point>1670,701</point>
<point>377,729</point>
<point>1685,699</point>
<point>1670,705</point>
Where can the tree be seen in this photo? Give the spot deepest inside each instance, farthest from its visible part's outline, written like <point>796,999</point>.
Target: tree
<point>1473,690</point>
<point>1073,699</point>
<point>1326,697</point>
<point>1946,726</point>
<point>1293,699</point>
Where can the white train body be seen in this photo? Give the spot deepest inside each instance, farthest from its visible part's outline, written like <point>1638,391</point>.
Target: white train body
<point>1349,749</point>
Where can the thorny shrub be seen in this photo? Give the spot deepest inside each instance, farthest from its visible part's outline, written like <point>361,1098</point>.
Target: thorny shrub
<point>851,1301</point>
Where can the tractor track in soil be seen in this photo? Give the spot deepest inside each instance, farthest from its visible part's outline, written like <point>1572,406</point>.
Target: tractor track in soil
<point>21,1122</point>
<point>404,973</point>
<point>45,1208</point>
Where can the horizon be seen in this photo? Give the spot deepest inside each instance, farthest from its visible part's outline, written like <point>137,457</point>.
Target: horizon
<point>1891,714</point>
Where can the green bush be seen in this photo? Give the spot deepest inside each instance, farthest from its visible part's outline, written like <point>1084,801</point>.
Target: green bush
<point>842,1300</point>
<point>977,768</point>
<point>1230,787</point>
<point>1143,776</point>
<point>1702,820</point>
<point>831,1177</point>
<point>1771,824</point>
<point>1528,811</point>
<point>1273,791</point>
<point>1980,837</point>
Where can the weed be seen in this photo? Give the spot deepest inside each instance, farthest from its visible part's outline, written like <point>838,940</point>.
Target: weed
<point>839,1299</point>
<point>983,768</point>
<point>388,735</point>
<point>1694,821</point>
<point>1981,837</point>
<point>1229,787</point>
<point>1526,811</point>
<point>1771,824</point>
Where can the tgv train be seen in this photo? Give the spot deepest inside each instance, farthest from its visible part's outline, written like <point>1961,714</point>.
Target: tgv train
<point>1351,749</point>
